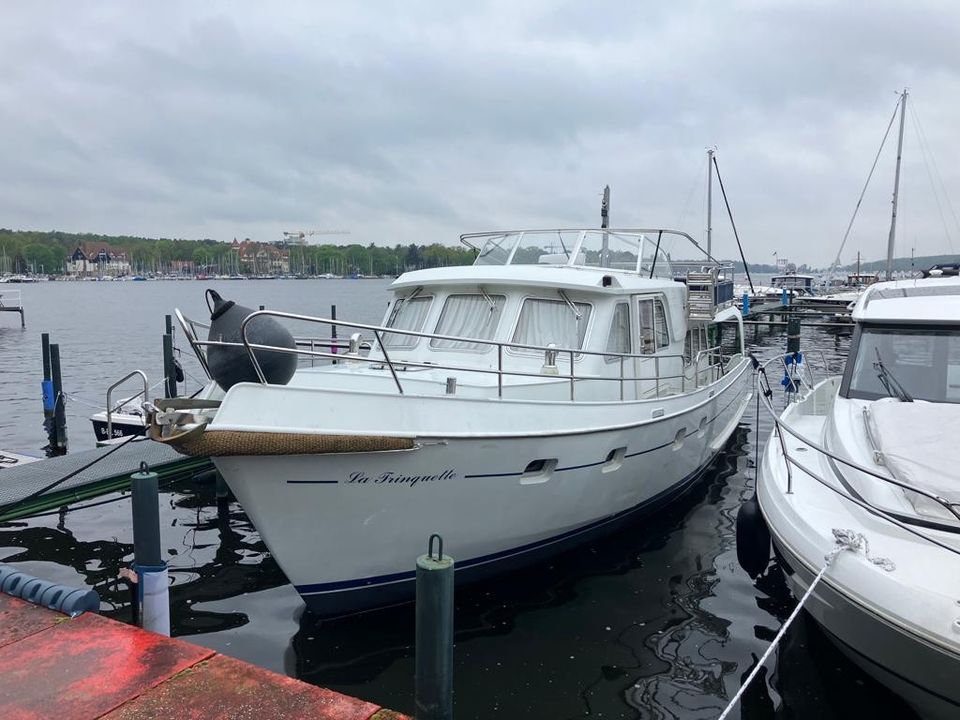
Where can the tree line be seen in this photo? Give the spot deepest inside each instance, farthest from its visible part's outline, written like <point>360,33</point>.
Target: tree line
<point>31,251</point>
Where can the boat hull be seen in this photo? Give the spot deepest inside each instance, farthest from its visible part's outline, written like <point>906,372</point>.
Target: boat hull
<point>923,674</point>
<point>347,528</point>
<point>123,425</point>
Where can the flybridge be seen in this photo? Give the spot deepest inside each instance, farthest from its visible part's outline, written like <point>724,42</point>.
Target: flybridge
<point>640,251</point>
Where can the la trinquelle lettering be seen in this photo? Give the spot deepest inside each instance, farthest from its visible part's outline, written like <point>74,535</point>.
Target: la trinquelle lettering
<point>391,478</point>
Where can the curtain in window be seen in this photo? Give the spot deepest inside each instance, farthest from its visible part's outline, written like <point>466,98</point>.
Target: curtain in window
<point>407,315</point>
<point>647,342</point>
<point>551,321</point>
<point>472,316</point>
<point>618,341</point>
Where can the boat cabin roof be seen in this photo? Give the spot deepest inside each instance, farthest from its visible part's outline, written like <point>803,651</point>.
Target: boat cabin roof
<point>921,301</point>
<point>564,277</point>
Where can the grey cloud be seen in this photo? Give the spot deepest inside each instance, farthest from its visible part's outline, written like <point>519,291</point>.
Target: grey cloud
<point>412,122</point>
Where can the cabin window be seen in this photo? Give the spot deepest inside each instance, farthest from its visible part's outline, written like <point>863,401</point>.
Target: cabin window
<point>618,341</point>
<point>408,313</point>
<point>472,316</point>
<point>654,333</point>
<point>552,321</point>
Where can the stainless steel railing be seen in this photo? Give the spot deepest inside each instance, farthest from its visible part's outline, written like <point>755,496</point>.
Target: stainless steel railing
<point>699,372</point>
<point>146,390</point>
<point>781,429</point>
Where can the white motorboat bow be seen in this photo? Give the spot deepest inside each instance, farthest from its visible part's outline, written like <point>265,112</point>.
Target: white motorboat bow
<point>559,385</point>
<point>869,455</point>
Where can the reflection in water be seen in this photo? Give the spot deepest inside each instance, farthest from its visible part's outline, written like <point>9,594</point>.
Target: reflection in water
<point>656,620</point>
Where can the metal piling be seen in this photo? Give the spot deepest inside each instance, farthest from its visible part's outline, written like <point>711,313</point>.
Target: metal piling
<point>433,696</point>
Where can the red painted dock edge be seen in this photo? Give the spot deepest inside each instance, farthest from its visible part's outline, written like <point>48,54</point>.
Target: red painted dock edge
<point>91,667</point>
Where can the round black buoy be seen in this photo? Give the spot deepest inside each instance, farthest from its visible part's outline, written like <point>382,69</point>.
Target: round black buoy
<point>232,365</point>
<point>753,538</point>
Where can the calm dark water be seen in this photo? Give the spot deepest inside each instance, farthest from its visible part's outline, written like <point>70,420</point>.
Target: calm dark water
<point>654,621</point>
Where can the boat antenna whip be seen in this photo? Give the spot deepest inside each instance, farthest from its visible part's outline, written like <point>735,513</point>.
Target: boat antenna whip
<point>845,540</point>
<point>732,223</point>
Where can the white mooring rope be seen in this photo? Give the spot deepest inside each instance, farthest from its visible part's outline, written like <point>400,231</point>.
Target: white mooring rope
<point>846,540</point>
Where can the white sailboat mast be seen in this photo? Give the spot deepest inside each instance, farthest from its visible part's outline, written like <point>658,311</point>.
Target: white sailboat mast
<point>709,202</point>
<point>896,187</point>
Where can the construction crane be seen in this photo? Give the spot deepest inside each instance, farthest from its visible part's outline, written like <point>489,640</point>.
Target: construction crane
<point>299,237</point>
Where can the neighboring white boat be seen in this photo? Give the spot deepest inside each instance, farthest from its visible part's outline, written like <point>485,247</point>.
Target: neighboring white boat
<point>120,424</point>
<point>559,385</point>
<point>123,419</point>
<point>871,453</point>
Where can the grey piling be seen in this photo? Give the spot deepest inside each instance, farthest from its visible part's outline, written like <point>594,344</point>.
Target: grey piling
<point>47,384</point>
<point>333,332</point>
<point>151,570</point>
<point>59,428</point>
<point>45,348</point>
<point>169,371</point>
<point>220,486</point>
<point>433,695</point>
<point>793,335</point>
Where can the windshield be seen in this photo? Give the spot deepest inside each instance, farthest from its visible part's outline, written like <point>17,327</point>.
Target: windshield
<point>924,362</point>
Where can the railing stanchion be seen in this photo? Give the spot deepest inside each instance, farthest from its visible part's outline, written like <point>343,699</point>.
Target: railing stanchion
<point>386,359</point>
<point>621,377</point>
<point>499,370</point>
<point>572,379</point>
<point>786,457</point>
<point>656,372</point>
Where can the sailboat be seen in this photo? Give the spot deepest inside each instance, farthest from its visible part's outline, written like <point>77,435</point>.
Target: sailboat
<point>844,298</point>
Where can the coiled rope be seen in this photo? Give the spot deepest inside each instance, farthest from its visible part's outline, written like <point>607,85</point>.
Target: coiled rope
<point>845,540</point>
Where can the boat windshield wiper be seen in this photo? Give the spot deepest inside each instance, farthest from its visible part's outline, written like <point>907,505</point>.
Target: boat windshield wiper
<point>573,308</point>
<point>889,382</point>
<point>576,312</point>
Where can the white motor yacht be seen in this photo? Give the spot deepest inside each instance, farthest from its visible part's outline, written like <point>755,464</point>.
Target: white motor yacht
<point>868,457</point>
<point>561,384</point>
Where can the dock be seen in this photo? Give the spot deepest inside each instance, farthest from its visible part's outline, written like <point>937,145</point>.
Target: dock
<point>38,486</point>
<point>11,301</point>
<point>93,668</point>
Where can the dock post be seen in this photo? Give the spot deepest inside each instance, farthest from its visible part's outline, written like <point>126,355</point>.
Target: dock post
<point>152,579</point>
<point>169,371</point>
<point>333,332</point>
<point>46,385</point>
<point>58,435</point>
<point>433,696</point>
<point>793,335</point>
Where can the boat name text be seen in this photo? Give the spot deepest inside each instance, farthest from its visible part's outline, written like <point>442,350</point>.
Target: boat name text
<point>391,478</point>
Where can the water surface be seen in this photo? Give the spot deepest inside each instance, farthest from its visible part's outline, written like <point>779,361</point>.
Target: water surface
<point>654,621</point>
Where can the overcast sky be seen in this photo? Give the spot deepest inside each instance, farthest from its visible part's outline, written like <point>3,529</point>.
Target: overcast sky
<point>416,121</point>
